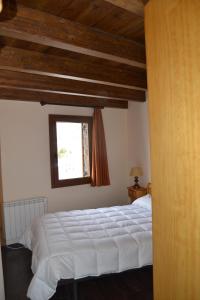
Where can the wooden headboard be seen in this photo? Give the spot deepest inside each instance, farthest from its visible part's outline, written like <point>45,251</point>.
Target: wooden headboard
<point>149,188</point>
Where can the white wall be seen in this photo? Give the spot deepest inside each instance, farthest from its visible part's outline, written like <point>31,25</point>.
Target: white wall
<point>25,157</point>
<point>138,140</point>
<point>25,154</point>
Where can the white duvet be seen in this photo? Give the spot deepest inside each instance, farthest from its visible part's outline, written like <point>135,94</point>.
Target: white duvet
<point>92,242</point>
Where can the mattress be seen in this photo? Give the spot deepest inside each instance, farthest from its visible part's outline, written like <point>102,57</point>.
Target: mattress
<point>83,243</point>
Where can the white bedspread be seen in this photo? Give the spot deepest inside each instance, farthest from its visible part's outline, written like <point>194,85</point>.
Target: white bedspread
<point>83,243</point>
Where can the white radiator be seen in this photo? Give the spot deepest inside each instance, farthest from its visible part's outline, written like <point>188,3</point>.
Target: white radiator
<point>19,214</point>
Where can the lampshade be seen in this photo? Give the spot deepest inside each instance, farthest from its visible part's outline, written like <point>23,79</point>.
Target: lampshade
<point>136,171</point>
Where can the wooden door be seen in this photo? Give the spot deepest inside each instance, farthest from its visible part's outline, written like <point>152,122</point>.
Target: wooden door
<point>172,29</point>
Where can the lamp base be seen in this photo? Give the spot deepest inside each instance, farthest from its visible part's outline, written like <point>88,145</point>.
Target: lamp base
<point>136,185</point>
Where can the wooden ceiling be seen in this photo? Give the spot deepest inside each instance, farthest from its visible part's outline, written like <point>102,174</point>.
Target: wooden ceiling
<point>73,52</point>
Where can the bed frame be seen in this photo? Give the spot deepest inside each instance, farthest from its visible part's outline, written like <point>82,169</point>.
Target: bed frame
<point>149,188</point>
<point>75,282</point>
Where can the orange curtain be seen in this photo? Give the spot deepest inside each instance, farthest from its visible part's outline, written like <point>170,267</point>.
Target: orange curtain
<point>100,172</point>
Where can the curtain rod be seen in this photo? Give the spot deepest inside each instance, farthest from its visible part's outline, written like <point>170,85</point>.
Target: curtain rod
<point>43,103</point>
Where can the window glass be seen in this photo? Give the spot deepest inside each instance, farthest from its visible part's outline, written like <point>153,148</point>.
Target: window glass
<point>72,150</point>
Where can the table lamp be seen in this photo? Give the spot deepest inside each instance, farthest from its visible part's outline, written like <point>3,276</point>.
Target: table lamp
<point>136,172</point>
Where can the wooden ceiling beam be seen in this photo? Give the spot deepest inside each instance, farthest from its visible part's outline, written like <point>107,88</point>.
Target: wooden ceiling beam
<point>45,29</point>
<point>67,86</point>
<point>15,59</point>
<point>133,6</point>
<point>145,1</point>
<point>18,94</point>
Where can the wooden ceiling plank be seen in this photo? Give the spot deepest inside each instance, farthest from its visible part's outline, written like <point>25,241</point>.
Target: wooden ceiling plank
<point>134,6</point>
<point>58,99</point>
<point>39,82</point>
<point>91,13</point>
<point>44,64</point>
<point>42,28</point>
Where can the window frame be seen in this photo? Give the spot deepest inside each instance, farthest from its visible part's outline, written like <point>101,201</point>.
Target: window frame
<point>55,181</point>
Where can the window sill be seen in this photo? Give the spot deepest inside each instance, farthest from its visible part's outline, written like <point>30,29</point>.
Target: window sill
<point>71,182</point>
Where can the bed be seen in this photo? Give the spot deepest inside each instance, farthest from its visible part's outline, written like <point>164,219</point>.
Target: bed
<point>82,243</point>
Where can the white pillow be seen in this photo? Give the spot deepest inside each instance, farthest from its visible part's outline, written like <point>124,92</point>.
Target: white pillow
<point>144,201</point>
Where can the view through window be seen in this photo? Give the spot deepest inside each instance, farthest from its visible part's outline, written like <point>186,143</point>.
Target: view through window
<point>72,150</point>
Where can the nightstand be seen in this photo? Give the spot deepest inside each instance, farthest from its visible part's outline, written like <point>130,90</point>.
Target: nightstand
<point>135,193</point>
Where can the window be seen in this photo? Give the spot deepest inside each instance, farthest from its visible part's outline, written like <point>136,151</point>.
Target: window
<point>70,150</point>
